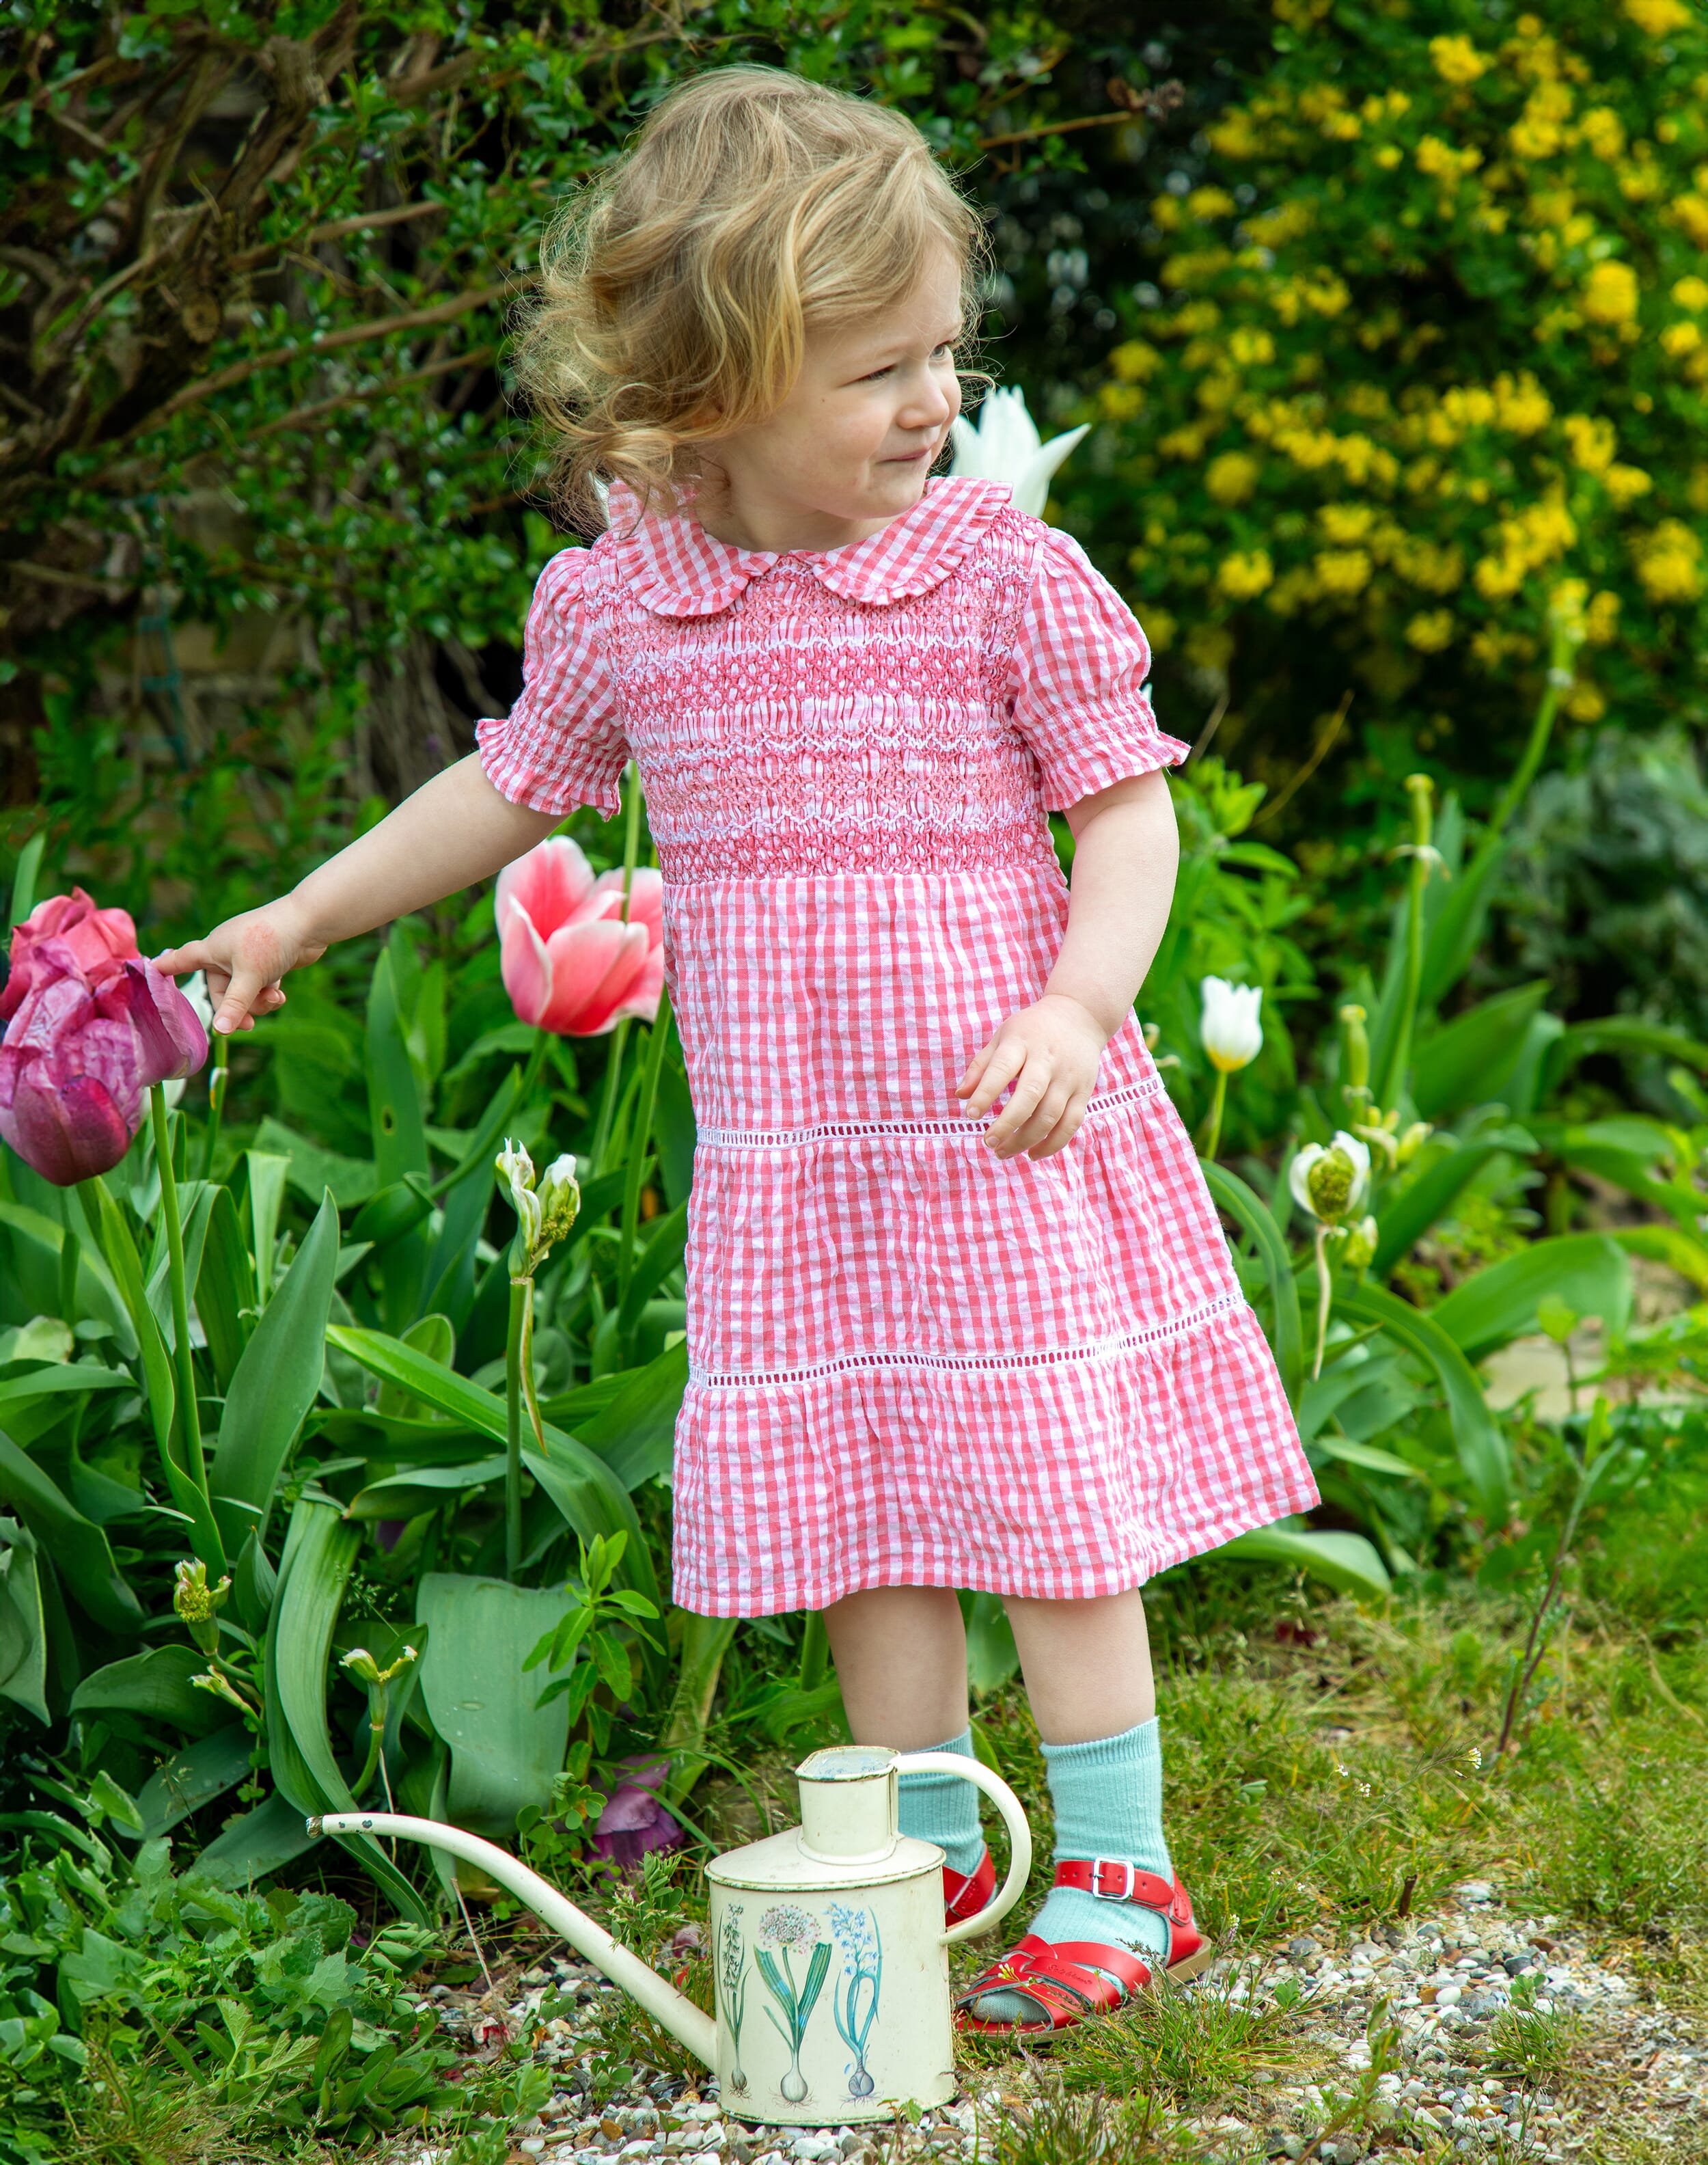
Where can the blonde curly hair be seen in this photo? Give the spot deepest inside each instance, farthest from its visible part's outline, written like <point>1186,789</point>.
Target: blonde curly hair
<point>677,290</point>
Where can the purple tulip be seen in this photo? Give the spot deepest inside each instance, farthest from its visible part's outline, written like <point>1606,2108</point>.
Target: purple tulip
<point>88,1036</point>
<point>634,1821</point>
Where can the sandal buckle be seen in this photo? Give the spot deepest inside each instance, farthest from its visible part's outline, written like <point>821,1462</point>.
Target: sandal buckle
<point>1100,1865</point>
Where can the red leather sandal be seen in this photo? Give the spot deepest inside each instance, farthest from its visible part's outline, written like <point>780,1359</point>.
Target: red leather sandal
<point>964,1893</point>
<point>1070,1979</point>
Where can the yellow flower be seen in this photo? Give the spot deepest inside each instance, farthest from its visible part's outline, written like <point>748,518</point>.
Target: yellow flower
<point>1668,562</point>
<point>1692,293</point>
<point>1539,131</point>
<point>1210,202</point>
<point>1210,646</point>
<point>1601,619</point>
<point>1182,444</point>
<point>1610,293</point>
<point>1586,703</point>
<point>1680,339</point>
<point>1425,564</point>
<point>1441,161</point>
<point>1342,572</point>
<point>1390,155</point>
<point>1250,348</point>
<point>1345,522</point>
<point>1521,404</point>
<point>1592,440</point>
<point>1430,631</point>
<point>1135,360</point>
<point>1234,136</point>
<point>1603,132</point>
<point>1625,484</point>
<point>1159,629</point>
<point>1470,406</point>
<point>1232,477</point>
<point>1659,19</point>
<point>1246,574</point>
<point>1457,60</point>
<point>1690,214</point>
<point>1121,402</point>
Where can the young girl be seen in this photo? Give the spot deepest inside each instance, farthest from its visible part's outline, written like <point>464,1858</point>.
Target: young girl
<point>960,1310</point>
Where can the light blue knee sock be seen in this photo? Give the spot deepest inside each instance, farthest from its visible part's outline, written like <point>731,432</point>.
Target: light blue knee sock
<point>1108,1801</point>
<point>938,1808</point>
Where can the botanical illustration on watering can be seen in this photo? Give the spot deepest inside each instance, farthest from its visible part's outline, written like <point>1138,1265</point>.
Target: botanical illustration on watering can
<point>786,1930</point>
<point>732,1981</point>
<point>857,1930</point>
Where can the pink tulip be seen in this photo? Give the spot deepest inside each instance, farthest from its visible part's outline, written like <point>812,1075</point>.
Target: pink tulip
<point>89,1030</point>
<point>569,963</point>
<point>100,941</point>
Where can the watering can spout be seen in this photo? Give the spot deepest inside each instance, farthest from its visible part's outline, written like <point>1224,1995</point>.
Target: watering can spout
<point>689,2024</point>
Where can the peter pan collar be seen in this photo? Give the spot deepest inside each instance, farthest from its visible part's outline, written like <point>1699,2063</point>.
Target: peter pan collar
<point>676,568</point>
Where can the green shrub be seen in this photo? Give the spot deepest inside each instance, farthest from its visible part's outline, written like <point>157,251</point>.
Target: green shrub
<point>1428,337</point>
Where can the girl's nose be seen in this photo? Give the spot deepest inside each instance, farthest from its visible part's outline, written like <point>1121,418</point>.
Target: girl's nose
<point>927,404</point>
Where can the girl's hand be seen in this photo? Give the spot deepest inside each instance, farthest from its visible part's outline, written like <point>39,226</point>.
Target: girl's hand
<point>1050,1052</point>
<point>245,958</point>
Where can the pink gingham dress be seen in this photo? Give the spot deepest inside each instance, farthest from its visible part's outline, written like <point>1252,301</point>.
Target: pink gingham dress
<point>909,1363</point>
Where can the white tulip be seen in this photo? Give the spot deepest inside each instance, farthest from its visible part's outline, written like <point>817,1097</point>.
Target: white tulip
<point>1330,1182</point>
<point>194,988</point>
<point>1005,446</point>
<point>1231,1034</point>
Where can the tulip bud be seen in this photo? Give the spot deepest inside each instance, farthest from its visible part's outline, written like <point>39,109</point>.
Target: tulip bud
<point>516,1174</point>
<point>366,1669</point>
<point>1358,1048</point>
<point>197,1603</point>
<point>1230,1029</point>
<point>1361,1247</point>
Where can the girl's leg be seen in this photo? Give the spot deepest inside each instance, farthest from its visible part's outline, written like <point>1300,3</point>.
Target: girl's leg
<point>1088,1675</point>
<point>900,1654</point>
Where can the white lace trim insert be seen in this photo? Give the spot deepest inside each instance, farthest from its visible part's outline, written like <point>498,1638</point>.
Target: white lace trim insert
<point>1099,1349</point>
<point>837,1131</point>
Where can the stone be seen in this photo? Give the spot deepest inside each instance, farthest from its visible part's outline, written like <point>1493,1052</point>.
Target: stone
<point>1515,1965</point>
<point>1475,1890</point>
<point>1302,1948</point>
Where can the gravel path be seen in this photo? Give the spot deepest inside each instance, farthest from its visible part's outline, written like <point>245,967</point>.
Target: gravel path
<point>1476,2030</point>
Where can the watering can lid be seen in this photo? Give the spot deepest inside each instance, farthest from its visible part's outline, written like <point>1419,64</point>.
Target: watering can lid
<point>846,1763</point>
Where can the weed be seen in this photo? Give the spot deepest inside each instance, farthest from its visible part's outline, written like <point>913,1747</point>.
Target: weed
<point>1187,2045</point>
<point>1535,2042</point>
<point>1066,2129</point>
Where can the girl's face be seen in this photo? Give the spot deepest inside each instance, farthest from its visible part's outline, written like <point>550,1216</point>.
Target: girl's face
<point>850,447</point>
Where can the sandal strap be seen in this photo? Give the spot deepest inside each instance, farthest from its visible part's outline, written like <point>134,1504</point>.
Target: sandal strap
<point>1113,1879</point>
<point>965,1893</point>
<point>1069,1980</point>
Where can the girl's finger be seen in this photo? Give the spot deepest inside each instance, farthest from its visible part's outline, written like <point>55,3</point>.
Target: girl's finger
<point>1041,1120</point>
<point>975,1068</point>
<point>1061,1135</point>
<point>235,1009</point>
<point>1024,1102</point>
<point>176,962</point>
<point>1005,1063</point>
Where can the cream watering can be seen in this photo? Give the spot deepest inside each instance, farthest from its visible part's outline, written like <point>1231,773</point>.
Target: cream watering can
<point>829,1950</point>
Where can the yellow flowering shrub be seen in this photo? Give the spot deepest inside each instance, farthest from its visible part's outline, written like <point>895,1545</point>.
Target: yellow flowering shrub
<point>1425,338</point>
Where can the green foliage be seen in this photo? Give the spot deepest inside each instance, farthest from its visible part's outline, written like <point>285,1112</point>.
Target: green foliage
<point>261,2015</point>
<point>280,432</point>
<point>1427,340</point>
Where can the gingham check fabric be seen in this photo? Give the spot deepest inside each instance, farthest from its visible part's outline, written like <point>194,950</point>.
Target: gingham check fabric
<point>909,1363</point>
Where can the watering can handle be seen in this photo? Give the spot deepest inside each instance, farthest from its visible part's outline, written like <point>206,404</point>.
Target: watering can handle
<point>1013,1818</point>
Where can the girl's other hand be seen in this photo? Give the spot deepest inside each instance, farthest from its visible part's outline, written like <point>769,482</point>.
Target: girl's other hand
<point>1050,1052</point>
<point>244,960</point>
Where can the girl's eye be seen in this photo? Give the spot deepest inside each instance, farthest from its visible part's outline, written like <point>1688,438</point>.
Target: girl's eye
<point>943,352</point>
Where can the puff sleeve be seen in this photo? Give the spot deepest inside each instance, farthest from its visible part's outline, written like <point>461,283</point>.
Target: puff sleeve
<point>1077,676</point>
<point>562,744</point>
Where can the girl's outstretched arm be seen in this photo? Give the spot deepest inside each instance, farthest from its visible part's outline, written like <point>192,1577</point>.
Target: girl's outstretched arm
<point>455,829</point>
<point>1125,854</point>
